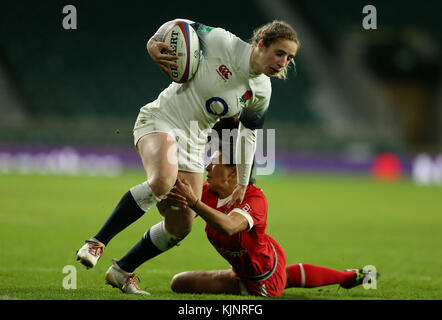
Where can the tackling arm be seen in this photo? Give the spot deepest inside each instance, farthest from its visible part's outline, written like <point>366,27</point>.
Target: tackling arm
<point>227,225</point>
<point>183,196</point>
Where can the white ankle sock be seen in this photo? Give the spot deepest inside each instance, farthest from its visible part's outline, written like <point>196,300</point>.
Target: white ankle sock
<point>161,238</point>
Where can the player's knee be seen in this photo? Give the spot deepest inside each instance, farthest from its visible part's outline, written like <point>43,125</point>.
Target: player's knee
<point>161,184</point>
<point>178,222</point>
<point>180,231</point>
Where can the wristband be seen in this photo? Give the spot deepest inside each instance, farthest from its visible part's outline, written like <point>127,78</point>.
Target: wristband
<point>194,205</point>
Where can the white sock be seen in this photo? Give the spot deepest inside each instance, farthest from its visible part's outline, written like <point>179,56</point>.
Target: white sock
<point>144,196</point>
<point>161,238</point>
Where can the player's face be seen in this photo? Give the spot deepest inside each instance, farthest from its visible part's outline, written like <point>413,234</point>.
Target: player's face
<point>275,58</point>
<point>220,177</point>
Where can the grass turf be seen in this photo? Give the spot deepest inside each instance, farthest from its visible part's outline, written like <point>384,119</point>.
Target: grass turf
<point>333,221</point>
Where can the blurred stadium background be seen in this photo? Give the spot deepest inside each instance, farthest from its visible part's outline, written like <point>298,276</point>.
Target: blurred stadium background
<point>358,97</point>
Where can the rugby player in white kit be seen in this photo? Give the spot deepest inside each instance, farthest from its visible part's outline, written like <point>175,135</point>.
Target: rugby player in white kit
<point>170,134</point>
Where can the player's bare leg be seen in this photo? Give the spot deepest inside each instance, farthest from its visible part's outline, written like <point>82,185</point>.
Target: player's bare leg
<point>158,152</point>
<point>167,233</point>
<point>179,221</point>
<point>159,157</point>
<point>214,281</point>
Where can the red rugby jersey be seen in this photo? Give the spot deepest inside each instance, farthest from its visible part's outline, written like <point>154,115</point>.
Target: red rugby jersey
<point>250,253</point>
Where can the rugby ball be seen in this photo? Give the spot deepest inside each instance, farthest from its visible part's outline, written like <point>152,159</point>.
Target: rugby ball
<point>185,43</point>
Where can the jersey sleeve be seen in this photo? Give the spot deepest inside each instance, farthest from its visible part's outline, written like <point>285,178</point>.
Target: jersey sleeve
<point>254,209</point>
<point>252,116</point>
<point>245,152</point>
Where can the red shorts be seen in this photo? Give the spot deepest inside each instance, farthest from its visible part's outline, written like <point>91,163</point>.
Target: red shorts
<point>273,286</point>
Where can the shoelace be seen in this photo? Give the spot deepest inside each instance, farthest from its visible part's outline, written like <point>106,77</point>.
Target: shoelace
<point>132,279</point>
<point>95,248</point>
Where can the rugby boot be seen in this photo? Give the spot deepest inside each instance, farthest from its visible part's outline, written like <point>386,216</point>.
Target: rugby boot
<point>90,253</point>
<point>362,276</point>
<point>125,281</point>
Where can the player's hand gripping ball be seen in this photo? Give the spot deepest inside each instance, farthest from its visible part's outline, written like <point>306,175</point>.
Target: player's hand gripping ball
<point>185,43</point>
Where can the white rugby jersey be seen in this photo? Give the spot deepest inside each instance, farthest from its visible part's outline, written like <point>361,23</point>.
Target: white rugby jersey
<point>223,86</point>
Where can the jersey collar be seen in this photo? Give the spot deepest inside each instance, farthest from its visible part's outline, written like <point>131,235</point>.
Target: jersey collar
<point>222,202</point>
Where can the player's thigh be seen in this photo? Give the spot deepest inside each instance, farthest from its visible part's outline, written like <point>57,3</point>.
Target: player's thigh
<point>179,221</point>
<point>214,281</point>
<point>194,179</point>
<point>158,153</point>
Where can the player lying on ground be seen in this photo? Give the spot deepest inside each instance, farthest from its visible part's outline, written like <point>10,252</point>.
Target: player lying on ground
<point>238,234</point>
<point>233,78</point>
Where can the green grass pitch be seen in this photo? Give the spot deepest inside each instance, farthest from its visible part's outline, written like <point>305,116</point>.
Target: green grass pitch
<point>334,221</point>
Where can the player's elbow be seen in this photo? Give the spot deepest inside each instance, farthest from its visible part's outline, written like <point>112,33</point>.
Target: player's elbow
<point>227,230</point>
<point>231,232</point>
<point>225,227</point>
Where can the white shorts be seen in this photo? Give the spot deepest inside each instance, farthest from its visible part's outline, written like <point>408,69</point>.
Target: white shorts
<point>190,152</point>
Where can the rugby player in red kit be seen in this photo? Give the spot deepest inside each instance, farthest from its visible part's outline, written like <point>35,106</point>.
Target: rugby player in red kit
<point>258,262</point>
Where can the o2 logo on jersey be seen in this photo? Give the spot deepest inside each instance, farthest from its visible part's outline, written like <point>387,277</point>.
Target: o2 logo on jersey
<point>217,106</point>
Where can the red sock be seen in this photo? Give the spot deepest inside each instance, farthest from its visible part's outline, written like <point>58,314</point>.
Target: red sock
<point>310,276</point>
